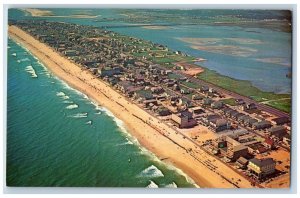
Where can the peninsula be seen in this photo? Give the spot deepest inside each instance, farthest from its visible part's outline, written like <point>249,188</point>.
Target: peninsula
<point>215,136</point>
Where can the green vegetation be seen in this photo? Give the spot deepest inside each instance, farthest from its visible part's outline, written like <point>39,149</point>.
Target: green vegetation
<point>283,105</point>
<point>191,85</point>
<point>230,101</point>
<point>160,60</point>
<point>174,76</point>
<point>245,88</point>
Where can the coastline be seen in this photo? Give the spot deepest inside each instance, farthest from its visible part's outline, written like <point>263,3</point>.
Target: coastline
<point>175,146</point>
<point>46,13</point>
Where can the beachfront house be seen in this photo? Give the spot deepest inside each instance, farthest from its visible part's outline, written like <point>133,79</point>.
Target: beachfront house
<point>261,168</point>
<point>184,119</point>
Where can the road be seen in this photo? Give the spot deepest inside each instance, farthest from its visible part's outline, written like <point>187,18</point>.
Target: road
<point>260,106</point>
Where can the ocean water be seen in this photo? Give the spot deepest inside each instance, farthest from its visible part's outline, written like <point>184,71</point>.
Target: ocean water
<point>56,136</point>
<point>269,44</point>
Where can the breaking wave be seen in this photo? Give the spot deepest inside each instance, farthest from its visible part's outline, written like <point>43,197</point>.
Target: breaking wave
<point>79,115</point>
<point>152,185</point>
<point>172,185</point>
<point>151,171</point>
<point>68,102</point>
<point>60,93</point>
<point>30,70</point>
<point>72,106</point>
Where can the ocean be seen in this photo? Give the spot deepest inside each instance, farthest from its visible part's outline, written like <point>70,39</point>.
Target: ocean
<point>56,136</point>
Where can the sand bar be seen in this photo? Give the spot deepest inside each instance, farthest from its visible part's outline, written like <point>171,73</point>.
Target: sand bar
<point>47,13</point>
<point>151,133</point>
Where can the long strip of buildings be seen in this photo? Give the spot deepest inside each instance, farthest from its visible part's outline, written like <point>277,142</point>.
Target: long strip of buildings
<point>243,132</point>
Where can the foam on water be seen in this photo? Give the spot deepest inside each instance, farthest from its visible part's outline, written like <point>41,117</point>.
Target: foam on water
<point>68,102</point>
<point>72,106</point>
<point>152,171</point>
<point>172,185</point>
<point>30,70</point>
<point>79,115</point>
<point>152,185</point>
<point>65,97</point>
<point>25,59</point>
<point>14,54</point>
<point>60,93</point>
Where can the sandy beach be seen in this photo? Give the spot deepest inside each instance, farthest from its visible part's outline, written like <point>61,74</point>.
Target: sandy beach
<point>47,13</point>
<point>152,133</point>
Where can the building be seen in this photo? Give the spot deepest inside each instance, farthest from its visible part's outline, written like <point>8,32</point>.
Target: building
<point>217,105</point>
<point>235,149</point>
<point>184,119</point>
<point>269,143</point>
<point>261,167</point>
<point>196,111</point>
<point>278,131</point>
<point>262,125</point>
<point>108,71</point>
<point>280,120</point>
<point>242,162</point>
<point>219,125</point>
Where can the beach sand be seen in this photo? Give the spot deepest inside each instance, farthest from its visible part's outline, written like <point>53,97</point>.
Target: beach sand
<point>151,133</point>
<point>47,13</point>
<point>156,27</point>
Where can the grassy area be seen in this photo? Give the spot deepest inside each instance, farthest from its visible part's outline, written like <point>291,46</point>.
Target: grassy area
<point>191,85</point>
<point>283,105</point>
<point>174,76</point>
<point>159,60</point>
<point>229,101</point>
<point>245,88</point>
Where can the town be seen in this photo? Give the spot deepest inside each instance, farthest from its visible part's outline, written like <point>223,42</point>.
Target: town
<point>249,139</point>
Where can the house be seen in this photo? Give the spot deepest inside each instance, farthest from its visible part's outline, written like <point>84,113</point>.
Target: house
<point>261,168</point>
<point>70,53</point>
<point>108,71</point>
<point>287,140</point>
<point>242,162</point>
<point>250,121</point>
<point>233,113</point>
<point>207,101</point>
<point>196,111</point>
<point>243,118</point>
<point>163,111</point>
<point>124,86</point>
<point>184,119</point>
<point>280,120</point>
<point>235,149</point>
<point>262,125</point>
<point>217,105</point>
<point>278,131</point>
<point>239,101</point>
<point>204,89</point>
<point>269,143</point>
<point>219,125</point>
<point>227,111</point>
<point>238,116</point>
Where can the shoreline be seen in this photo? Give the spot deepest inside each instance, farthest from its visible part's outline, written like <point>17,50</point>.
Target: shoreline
<point>154,133</point>
<point>34,12</point>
